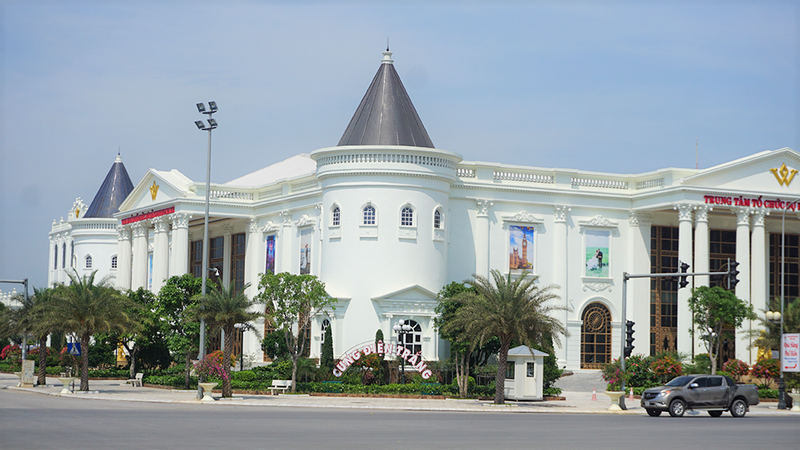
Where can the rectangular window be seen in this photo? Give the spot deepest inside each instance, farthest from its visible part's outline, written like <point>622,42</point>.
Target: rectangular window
<point>55,260</point>
<point>238,248</point>
<point>270,255</point>
<point>196,258</point>
<point>531,370</point>
<point>509,370</point>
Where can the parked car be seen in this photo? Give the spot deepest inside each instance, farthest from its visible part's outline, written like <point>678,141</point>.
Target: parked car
<point>713,393</point>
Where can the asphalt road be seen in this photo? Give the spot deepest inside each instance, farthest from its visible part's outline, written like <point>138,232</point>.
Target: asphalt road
<point>32,421</point>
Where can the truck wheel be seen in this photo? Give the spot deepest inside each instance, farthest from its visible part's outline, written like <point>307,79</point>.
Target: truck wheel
<point>715,413</point>
<point>739,408</point>
<point>677,408</point>
<point>653,412</point>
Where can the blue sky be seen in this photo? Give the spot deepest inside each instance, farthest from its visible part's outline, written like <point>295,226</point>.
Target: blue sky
<point>622,87</point>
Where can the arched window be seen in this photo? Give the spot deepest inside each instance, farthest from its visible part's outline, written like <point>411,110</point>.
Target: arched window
<point>88,261</point>
<point>369,215</point>
<point>114,262</point>
<point>437,219</point>
<point>336,217</point>
<point>413,339</point>
<point>55,260</point>
<point>595,336</point>
<point>407,216</point>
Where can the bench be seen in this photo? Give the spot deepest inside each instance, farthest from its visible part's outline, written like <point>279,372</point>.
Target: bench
<point>280,385</point>
<point>136,381</point>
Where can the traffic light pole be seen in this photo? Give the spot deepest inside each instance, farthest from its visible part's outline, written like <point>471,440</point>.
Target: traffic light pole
<point>624,320</point>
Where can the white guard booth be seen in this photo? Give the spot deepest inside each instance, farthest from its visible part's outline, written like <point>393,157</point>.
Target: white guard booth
<point>524,374</point>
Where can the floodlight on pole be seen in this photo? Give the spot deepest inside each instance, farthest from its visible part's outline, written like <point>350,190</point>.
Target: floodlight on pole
<point>200,125</point>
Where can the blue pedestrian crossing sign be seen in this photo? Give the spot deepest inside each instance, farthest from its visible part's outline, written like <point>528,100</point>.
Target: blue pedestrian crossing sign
<point>74,348</point>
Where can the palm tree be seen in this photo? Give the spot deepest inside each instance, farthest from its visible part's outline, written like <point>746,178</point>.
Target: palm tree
<point>29,319</point>
<point>223,308</point>
<point>84,307</point>
<point>511,310</point>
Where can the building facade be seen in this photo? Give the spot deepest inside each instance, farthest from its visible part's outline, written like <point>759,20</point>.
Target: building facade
<point>386,220</point>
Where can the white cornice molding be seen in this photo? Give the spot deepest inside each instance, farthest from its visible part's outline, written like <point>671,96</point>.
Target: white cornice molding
<point>523,217</point>
<point>598,221</point>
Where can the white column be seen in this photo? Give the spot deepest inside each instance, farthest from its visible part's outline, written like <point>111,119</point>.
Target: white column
<point>701,245</point>
<point>759,271</point>
<point>639,288</point>
<point>482,238</point>
<point>253,260</point>
<point>160,252</point>
<point>51,280</point>
<point>684,340</point>
<point>560,213</point>
<point>123,257</point>
<point>743,288</point>
<point>139,270</point>
<point>285,264</point>
<point>180,244</point>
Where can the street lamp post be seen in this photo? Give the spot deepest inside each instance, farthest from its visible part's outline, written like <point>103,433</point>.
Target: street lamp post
<point>782,383</point>
<point>402,328</point>
<point>212,108</point>
<point>241,327</point>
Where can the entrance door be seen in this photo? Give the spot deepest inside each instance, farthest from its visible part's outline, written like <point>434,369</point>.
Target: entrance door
<point>595,336</point>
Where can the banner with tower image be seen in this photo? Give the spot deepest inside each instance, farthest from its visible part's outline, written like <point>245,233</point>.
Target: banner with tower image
<point>305,251</point>
<point>520,249</point>
<point>597,253</point>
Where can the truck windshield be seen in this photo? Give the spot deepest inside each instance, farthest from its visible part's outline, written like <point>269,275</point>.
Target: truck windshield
<point>680,381</point>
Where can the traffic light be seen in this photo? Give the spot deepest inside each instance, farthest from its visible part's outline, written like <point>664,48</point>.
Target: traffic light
<point>629,331</point>
<point>733,275</point>
<point>684,282</point>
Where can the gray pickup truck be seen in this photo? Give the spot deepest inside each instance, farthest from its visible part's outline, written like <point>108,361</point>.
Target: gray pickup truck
<point>713,393</point>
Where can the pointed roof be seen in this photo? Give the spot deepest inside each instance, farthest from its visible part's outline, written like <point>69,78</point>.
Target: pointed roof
<point>386,115</point>
<point>112,193</point>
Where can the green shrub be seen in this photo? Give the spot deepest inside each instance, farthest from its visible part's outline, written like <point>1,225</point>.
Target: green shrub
<point>768,393</point>
<point>552,391</point>
<point>245,375</point>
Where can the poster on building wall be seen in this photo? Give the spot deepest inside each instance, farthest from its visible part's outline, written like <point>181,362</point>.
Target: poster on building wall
<point>305,251</point>
<point>520,249</point>
<point>597,253</point>
<point>270,255</point>
<point>790,352</point>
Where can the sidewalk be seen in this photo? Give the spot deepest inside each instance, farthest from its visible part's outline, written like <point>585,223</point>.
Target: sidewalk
<point>575,403</point>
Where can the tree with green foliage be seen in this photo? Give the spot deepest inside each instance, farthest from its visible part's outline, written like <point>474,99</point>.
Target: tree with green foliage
<point>294,300</point>
<point>509,309</point>
<point>146,336</point>
<point>28,319</point>
<point>460,348</point>
<point>326,356</point>
<point>769,337</point>
<point>274,345</point>
<point>222,308</point>
<point>181,331</point>
<point>383,370</point>
<point>714,308</point>
<point>86,307</point>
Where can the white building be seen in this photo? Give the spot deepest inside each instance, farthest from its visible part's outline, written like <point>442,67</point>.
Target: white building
<point>385,219</point>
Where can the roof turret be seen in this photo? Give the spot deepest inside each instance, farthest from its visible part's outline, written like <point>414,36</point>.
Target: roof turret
<point>386,115</point>
<point>112,193</point>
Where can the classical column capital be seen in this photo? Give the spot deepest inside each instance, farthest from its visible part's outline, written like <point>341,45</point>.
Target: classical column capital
<point>701,213</point>
<point>560,212</point>
<point>483,207</point>
<point>286,217</point>
<point>123,232</point>
<point>759,217</point>
<point>227,229</point>
<point>252,226</point>
<point>160,224</point>
<point>639,219</point>
<point>743,216</point>
<point>684,210</point>
<point>139,229</point>
<point>180,220</point>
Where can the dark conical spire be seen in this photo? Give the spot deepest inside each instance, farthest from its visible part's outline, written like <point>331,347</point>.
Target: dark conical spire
<point>386,115</point>
<point>112,193</point>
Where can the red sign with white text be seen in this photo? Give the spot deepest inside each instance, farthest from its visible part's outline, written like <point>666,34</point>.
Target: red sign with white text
<point>790,352</point>
<point>148,215</point>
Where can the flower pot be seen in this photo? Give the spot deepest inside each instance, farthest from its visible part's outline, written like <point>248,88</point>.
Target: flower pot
<point>66,381</point>
<point>615,395</point>
<point>207,387</point>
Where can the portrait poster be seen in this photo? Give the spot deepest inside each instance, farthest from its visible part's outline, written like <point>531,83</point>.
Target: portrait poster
<point>597,253</point>
<point>270,255</point>
<point>305,251</point>
<point>520,247</point>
